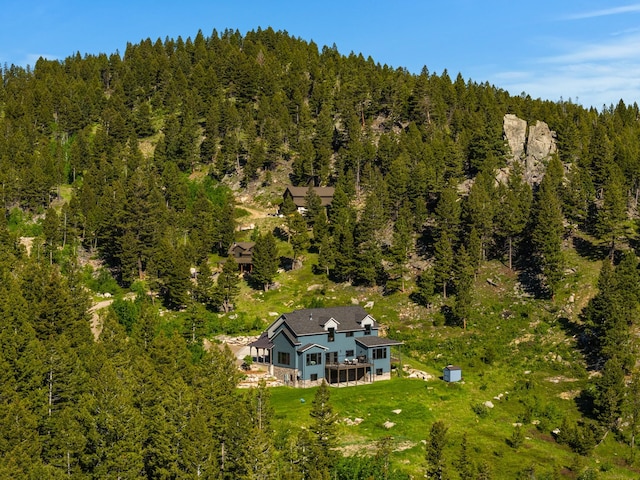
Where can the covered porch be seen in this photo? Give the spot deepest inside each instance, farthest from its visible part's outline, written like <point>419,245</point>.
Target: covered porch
<point>349,372</point>
<point>263,348</point>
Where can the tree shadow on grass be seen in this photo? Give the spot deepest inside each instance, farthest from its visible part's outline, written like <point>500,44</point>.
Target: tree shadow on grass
<point>529,278</point>
<point>589,250</point>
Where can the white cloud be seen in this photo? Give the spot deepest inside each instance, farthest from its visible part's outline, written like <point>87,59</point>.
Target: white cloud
<point>596,73</point>
<point>621,47</point>
<point>605,12</point>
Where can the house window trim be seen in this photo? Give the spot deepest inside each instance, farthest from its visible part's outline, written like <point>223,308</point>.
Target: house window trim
<point>284,358</point>
<point>312,359</point>
<point>331,357</point>
<point>379,353</point>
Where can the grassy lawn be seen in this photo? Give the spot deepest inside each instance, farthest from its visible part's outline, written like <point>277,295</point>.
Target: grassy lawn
<point>422,403</point>
<point>518,352</point>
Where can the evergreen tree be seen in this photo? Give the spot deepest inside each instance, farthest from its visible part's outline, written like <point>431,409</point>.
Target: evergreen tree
<point>298,235</point>
<point>323,424</point>
<point>265,260</point>
<point>513,214</point>
<point>546,235</point>
<point>326,254</point>
<point>613,209</point>
<point>313,205</point>
<point>443,262</point>
<point>609,393</point>
<point>401,249</point>
<point>480,209</point>
<point>434,455</point>
<point>227,285</point>
<point>464,275</point>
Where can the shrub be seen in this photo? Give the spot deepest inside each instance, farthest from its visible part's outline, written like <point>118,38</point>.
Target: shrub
<point>480,409</point>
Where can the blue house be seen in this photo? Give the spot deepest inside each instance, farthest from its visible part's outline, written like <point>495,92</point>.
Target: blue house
<point>339,345</point>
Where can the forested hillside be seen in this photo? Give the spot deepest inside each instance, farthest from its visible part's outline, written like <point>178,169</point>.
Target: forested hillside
<point>125,173</point>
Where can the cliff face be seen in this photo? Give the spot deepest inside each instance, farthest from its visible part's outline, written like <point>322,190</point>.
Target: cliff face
<point>532,148</point>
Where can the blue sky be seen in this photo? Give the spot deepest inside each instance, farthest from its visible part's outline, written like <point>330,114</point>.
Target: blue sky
<point>588,51</point>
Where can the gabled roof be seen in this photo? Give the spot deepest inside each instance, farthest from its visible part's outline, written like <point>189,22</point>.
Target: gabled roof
<point>306,347</point>
<point>451,368</point>
<point>310,321</point>
<point>287,334</point>
<point>262,342</point>
<point>373,341</point>
<point>299,193</point>
<point>244,246</point>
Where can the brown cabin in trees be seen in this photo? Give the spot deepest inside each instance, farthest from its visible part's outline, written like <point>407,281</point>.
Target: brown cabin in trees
<point>242,253</point>
<point>298,195</point>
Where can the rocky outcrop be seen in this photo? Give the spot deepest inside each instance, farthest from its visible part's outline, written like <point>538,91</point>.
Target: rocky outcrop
<point>515,133</point>
<point>532,148</point>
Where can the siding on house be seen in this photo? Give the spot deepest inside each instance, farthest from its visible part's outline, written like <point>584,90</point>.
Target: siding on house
<point>314,342</point>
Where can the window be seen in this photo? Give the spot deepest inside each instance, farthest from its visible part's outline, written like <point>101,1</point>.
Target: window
<point>349,353</point>
<point>331,357</point>
<point>367,329</point>
<point>284,358</point>
<point>378,371</point>
<point>314,377</point>
<point>348,334</point>
<point>332,334</point>
<point>314,358</point>
<point>379,353</point>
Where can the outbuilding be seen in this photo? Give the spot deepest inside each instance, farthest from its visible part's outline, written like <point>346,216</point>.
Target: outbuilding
<point>452,373</point>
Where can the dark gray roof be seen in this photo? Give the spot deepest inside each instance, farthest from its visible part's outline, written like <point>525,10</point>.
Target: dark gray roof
<point>452,367</point>
<point>310,321</point>
<point>372,341</point>
<point>288,335</point>
<point>262,342</point>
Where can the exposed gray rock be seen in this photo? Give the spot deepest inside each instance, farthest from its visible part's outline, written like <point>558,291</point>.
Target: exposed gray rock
<point>541,143</point>
<point>532,149</point>
<point>515,133</point>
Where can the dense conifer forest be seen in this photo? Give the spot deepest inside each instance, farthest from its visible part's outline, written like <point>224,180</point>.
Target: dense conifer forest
<point>125,173</point>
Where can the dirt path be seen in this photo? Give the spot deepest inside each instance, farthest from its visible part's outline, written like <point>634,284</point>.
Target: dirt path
<point>254,214</point>
<point>96,326</point>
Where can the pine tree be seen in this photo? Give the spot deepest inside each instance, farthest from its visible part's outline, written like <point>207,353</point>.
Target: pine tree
<point>401,249</point>
<point>513,214</point>
<point>609,393</point>
<point>434,454</point>
<point>480,208</point>
<point>265,260</point>
<point>298,235</point>
<point>443,262</point>
<point>323,424</point>
<point>546,235</point>
<point>464,464</point>
<point>464,275</point>
<point>326,254</point>
<point>613,210</point>
<point>227,285</point>
<point>313,205</point>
